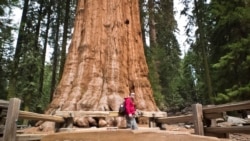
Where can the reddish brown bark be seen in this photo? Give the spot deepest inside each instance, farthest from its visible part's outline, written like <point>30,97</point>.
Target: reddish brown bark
<point>106,59</point>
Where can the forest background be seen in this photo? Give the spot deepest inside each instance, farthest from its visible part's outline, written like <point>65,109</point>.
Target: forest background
<point>215,69</point>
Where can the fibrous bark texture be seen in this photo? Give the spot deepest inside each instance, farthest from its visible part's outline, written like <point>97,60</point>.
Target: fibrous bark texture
<point>105,61</point>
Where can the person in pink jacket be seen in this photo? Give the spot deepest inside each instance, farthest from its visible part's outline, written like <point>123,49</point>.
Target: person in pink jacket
<point>130,111</point>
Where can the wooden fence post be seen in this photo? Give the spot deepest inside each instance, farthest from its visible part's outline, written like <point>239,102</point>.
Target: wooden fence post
<point>9,133</point>
<point>197,117</point>
<point>152,123</point>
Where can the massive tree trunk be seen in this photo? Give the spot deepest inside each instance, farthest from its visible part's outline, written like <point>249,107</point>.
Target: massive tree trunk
<point>106,59</point>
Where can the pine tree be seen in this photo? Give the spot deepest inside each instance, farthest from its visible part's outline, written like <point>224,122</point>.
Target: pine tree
<point>230,53</point>
<point>6,43</point>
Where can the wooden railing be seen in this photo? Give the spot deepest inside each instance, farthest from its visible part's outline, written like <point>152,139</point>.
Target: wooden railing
<point>200,117</point>
<point>13,113</point>
<point>9,132</point>
<point>204,119</point>
<point>35,116</point>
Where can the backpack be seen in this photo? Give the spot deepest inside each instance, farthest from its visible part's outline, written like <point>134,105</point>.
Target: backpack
<point>122,109</point>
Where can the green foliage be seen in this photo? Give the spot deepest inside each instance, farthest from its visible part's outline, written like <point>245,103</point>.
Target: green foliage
<point>26,65</point>
<point>230,39</point>
<point>223,29</point>
<point>27,85</point>
<point>6,44</point>
<point>154,77</point>
<point>187,79</point>
<point>45,96</point>
<point>236,93</point>
<point>195,83</point>
<point>167,53</point>
<point>190,84</point>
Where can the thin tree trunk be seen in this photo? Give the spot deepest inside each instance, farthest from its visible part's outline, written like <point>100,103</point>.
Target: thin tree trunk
<point>142,16</point>
<point>154,68</point>
<point>38,25</point>
<point>18,52</point>
<point>64,42</point>
<point>55,53</point>
<point>36,45</point>
<point>32,66</point>
<point>45,46</point>
<point>203,50</point>
<point>152,30</point>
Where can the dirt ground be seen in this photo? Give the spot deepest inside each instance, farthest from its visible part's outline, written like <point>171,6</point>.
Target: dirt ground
<point>232,137</point>
<point>176,128</point>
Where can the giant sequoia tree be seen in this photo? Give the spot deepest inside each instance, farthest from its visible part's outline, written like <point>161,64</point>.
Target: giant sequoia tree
<point>105,60</point>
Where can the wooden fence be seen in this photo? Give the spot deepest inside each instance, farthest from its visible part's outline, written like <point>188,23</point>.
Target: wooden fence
<point>13,113</point>
<point>204,119</point>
